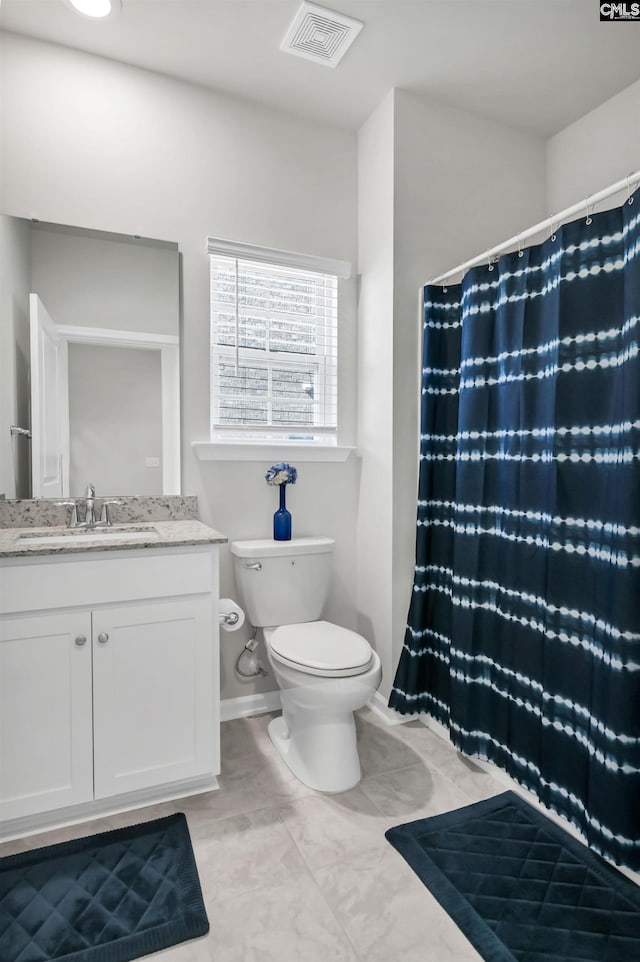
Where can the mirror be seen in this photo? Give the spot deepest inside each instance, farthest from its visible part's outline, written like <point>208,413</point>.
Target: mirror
<point>89,362</point>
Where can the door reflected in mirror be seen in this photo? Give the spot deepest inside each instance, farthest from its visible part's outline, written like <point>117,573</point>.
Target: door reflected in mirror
<point>97,316</point>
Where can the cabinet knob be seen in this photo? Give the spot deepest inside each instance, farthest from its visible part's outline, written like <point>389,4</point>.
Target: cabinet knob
<point>103,637</point>
<point>81,640</point>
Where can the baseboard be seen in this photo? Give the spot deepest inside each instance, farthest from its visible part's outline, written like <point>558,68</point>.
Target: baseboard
<point>378,705</point>
<point>247,705</point>
<point>442,731</point>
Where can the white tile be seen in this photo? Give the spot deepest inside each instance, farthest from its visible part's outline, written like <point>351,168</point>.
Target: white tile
<point>242,853</point>
<point>411,793</point>
<point>382,749</point>
<point>246,736</point>
<point>280,923</point>
<point>329,828</point>
<point>388,913</point>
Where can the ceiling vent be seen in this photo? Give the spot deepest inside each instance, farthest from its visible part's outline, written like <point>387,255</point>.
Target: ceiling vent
<point>320,34</point>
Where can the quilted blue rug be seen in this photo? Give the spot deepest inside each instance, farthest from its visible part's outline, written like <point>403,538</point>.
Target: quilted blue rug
<point>521,888</point>
<point>106,898</point>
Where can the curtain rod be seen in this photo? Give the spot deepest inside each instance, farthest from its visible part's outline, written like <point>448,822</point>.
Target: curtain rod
<point>555,222</point>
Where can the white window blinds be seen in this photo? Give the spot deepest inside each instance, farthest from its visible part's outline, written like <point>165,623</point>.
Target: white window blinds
<point>274,329</point>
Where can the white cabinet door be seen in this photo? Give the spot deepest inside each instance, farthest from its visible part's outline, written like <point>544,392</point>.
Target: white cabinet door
<point>45,713</point>
<point>153,694</point>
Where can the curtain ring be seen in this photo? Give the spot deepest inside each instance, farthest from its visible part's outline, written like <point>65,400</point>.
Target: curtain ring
<point>629,195</point>
<point>553,230</point>
<point>490,261</point>
<point>589,211</point>
<point>444,288</point>
<point>520,251</point>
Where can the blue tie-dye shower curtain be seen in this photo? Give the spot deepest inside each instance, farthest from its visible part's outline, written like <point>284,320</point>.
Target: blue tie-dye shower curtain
<point>523,633</point>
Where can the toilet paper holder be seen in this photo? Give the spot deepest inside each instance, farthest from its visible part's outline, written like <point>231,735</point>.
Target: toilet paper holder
<point>229,618</point>
<point>230,615</point>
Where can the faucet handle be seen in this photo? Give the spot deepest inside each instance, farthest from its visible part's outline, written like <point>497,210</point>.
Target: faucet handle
<point>91,490</point>
<point>105,517</point>
<point>73,517</point>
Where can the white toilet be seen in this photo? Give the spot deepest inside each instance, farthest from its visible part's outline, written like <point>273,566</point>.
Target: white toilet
<point>324,672</point>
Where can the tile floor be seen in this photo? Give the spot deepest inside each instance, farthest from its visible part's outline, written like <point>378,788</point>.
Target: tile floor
<point>291,875</point>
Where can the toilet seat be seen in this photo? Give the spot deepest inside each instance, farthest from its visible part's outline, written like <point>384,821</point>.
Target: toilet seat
<point>321,648</point>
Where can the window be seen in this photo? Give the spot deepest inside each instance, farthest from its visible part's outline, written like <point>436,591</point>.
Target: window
<point>274,342</point>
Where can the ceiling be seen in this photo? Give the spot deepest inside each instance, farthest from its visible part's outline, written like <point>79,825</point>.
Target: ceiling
<point>534,64</point>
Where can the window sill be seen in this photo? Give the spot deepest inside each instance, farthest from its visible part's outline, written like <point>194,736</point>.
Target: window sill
<point>269,451</point>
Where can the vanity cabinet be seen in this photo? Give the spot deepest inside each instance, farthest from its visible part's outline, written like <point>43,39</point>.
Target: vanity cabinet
<point>46,752</point>
<point>151,687</point>
<point>108,679</point>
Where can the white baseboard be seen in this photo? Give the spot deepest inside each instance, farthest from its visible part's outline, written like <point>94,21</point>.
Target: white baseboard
<point>439,729</point>
<point>247,705</point>
<point>378,705</point>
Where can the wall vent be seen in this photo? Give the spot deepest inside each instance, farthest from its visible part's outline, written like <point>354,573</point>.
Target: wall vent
<point>320,34</point>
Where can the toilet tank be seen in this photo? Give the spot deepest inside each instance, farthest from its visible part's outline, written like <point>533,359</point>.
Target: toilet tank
<point>282,582</point>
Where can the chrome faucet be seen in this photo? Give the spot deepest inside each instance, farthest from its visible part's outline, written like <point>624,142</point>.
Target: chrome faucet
<point>105,517</point>
<point>89,511</point>
<point>73,517</point>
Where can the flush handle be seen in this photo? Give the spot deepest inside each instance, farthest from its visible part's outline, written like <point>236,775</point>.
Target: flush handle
<point>256,566</point>
<point>103,637</point>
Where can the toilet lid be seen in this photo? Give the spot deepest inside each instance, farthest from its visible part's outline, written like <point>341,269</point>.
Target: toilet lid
<point>319,647</point>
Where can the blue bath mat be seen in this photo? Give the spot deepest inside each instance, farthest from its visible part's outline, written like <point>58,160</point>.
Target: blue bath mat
<point>520,888</point>
<point>107,898</point>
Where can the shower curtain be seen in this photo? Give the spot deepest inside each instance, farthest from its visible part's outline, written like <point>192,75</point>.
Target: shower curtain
<point>523,632</point>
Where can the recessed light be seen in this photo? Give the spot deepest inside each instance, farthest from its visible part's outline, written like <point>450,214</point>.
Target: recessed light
<point>96,9</point>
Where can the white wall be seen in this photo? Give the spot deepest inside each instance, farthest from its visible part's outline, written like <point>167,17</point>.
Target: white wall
<point>600,149</point>
<point>375,379</point>
<point>94,143</point>
<point>456,184</point>
<point>14,357</point>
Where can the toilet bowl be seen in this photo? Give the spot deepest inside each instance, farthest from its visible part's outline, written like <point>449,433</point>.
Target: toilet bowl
<point>324,672</point>
<point>320,688</point>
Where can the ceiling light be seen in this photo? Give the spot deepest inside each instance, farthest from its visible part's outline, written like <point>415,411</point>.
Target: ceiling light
<point>96,9</point>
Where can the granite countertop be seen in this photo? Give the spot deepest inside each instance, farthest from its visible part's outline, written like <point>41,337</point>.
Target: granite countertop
<point>155,534</point>
<point>37,527</point>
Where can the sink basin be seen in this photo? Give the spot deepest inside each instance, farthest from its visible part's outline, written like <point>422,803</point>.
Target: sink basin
<point>115,534</point>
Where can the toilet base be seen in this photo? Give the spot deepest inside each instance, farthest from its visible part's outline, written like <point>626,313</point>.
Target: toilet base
<point>321,752</point>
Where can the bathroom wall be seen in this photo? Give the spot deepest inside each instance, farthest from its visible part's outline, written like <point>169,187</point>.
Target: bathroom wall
<point>455,185</point>
<point>599,149</point>
<point>14,357</point>
<point>375,379</point>
<point>94,143</point>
